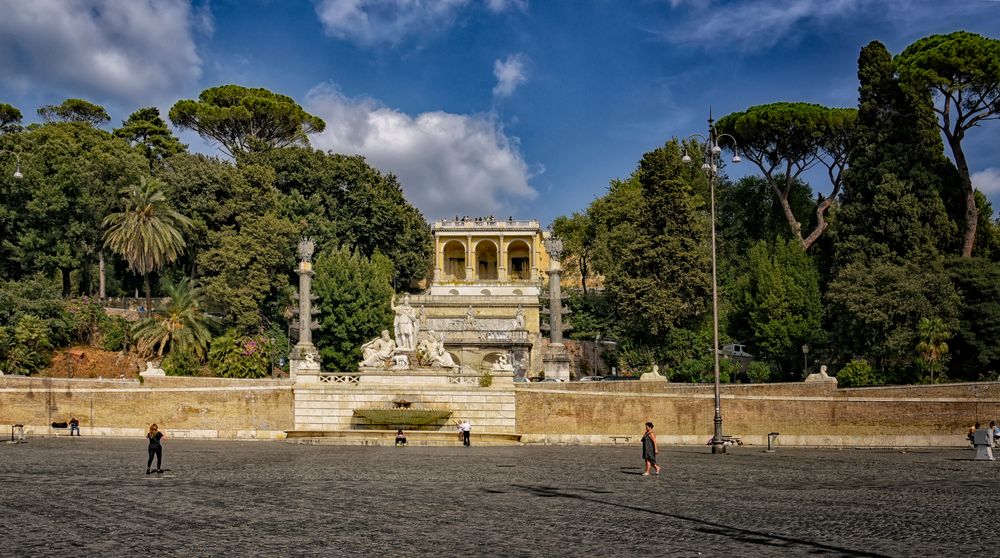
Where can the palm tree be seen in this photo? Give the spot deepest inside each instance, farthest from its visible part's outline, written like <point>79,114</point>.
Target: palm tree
<point>147,233</point>
<point>180,325</point>
<point>932,346</point>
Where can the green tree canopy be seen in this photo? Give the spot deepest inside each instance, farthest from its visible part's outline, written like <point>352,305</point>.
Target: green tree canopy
<point>354,294</point>
<point>786,139</point>
<point>962,70</point>
<point>243,119</point>
<point>147,232</point>
<point>578,242</point>
<point>71,172</point>
<point>343,201</point>
<point>658,278</point>
<point>75,110</point>
<point>245,270</point>
<point>874,311</point>
<point>10,118</point>
<point>779,302</point>
<point>975,348</point>
<point>146,130</point>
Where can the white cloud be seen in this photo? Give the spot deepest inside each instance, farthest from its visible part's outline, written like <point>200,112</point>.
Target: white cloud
<point>509,74</point>
<point>498,6</point>
<point>447,163</point>
<point>118,49</point>
<point>987,180</point>
<point>754,24</point>
<point>385,21</point>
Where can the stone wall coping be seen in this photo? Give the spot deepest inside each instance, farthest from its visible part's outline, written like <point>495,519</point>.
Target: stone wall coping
<point>744,397</point>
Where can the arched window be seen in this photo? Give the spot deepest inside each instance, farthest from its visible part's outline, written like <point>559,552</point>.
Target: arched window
<point>486,261</point>
<point>454,261</point>
<point>518,260</point>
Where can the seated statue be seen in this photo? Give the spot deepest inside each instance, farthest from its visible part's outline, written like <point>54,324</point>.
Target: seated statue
<point>377,351</point>
<point>503,364</point>
<point>309,362</point>
<point>438,355</point>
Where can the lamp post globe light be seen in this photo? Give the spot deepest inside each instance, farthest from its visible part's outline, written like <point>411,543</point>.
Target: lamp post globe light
<point>712,153</point>
<point>17,156</point>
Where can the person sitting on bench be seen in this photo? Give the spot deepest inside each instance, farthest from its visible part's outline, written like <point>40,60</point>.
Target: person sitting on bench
<point>74,426</point>
<point>995,431</point>
<point>400,438</point>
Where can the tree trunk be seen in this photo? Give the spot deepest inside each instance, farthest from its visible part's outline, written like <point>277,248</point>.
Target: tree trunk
<point>66,287</point>
<point>149,296</point>
<point>101,276</point>
<point>583,273</point>
<point>793,223</point>
<point>971,211</point>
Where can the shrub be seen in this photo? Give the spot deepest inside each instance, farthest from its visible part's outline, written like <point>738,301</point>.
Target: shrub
<point>25,348</point>
<point>486,380</point>
<point>114,333</point>
<point>180,363</point>
<point>236,356</point>
<point>857,373</point>
<point>759,372</point>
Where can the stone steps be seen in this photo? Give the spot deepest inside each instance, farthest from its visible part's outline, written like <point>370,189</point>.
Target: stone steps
<point>388,438</point>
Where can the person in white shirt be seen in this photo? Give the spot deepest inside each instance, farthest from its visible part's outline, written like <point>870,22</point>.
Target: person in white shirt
<point>466,432</point>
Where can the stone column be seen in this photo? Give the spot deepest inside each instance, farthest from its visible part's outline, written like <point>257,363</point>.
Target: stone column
<point>304,355</point>
<point>502,260</point>
<point>555,360</point>
<point>470,260</point>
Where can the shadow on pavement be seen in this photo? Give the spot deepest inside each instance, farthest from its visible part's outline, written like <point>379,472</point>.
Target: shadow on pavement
<point>735,533</point>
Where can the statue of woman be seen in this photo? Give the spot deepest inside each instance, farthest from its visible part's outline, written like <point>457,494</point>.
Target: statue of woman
<point>438,356</point>
<point>405,323</point>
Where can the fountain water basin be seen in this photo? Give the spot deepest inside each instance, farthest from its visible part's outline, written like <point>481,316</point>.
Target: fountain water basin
<point>401,417</point>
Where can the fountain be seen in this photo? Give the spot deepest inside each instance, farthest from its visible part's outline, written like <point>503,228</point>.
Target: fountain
<point>403,416</point>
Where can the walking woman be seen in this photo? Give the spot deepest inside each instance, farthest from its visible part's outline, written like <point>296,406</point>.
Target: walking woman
<point>154,436</point>
<point>650,449</point>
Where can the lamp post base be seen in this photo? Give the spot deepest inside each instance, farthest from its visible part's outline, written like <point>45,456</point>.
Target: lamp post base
<point>718,446</point>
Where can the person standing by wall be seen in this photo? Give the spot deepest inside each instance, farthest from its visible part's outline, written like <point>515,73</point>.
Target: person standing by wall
<point>649,450</point>
<point>466,433</point>
<point>154,436</point>
<point>74,426</point>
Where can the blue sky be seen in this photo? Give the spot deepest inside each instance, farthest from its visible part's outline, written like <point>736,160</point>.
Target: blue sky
<point>504,107</point>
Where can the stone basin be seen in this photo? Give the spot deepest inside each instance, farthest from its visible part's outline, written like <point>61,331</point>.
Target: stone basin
<point>401,417</point>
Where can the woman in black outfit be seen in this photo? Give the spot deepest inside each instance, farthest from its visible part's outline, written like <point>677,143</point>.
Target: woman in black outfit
<point>649,449</point>
<point>154,436</point>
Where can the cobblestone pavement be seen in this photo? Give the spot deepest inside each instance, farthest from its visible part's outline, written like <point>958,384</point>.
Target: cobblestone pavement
<point>90,497</point>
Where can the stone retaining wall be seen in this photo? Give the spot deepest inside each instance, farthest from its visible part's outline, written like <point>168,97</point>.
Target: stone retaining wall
<point>183,407</point>
<point>805,414</point>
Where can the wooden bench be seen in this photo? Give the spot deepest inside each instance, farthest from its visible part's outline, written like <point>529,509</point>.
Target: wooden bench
<point>620,439</point>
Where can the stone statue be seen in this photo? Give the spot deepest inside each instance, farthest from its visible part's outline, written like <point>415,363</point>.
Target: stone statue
<point>519,318</point>
<point>309,363</point>
<point>653,375</point>
<point>821,376</point>
<point>436,353</point>
<point>421,320</point>
<point>503,364</point>
<point>470,317</point>
<point>152,370</point>
<point>405,323</point>
<point>377,351</point>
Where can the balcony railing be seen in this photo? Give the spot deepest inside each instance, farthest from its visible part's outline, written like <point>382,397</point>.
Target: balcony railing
<point>487,224</point>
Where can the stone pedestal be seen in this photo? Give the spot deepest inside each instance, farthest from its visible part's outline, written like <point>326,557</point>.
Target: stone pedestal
<point>556,362</point>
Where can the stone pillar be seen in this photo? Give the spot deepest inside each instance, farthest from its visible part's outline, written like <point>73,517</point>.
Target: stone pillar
<point>470,260</point>
<point>556,361</point>
<point>304,355</point>
<point>502,260</point>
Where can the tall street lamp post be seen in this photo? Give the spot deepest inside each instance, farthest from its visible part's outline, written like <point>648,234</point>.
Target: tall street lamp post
<point>712,153</point>
<point>805,354</point>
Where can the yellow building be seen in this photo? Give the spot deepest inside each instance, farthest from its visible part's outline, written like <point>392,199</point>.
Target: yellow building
<point>484,292</point>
